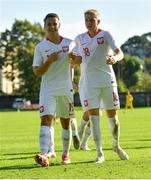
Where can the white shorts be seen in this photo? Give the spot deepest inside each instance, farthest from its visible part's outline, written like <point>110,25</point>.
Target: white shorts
<point>61,106</point>
<point>104,98</point>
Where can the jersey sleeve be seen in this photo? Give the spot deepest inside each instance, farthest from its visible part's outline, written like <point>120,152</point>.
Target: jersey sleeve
<point>38,59</point>
<point>72,46</point>
<point>110,40</point>
<point>77,48</point>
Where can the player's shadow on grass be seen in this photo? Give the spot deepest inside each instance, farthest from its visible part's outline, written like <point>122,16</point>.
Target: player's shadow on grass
<point>140,147</point>
<point>20,153</point>
<point>15,158</point>
<point>7,168</point>
<point>24,153</point>
<point>144,139</point>
<point>34,166</point>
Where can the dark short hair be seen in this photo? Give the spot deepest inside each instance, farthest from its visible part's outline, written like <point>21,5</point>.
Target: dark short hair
<point>51,15</point>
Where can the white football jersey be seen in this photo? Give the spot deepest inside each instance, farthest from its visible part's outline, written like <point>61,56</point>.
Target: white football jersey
<point>57,79</point>
<point>94,51</point>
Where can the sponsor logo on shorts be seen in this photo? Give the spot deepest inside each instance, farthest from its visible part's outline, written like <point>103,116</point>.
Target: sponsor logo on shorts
<point>85,103</point>
<point>100,40</point>
<point>41,109</point>
<point>65,48</point>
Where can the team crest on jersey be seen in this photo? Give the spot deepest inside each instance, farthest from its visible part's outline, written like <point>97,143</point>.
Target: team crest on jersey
<point>85,103</point>
<point>65,48</point>
<point>41,109</point>
<point>100,40</point>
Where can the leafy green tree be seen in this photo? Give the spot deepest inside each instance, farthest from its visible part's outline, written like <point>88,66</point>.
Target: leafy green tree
<point>144,84</point>
<point>138,46</point>
<point>128,72</point>
<point>18,47</point>
<point>147,65</point>
<point>137,50</point>
<point>132,70</point>
<point>121,86</point>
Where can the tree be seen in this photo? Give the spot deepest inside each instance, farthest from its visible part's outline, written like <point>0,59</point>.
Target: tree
<point>132,70</point>
<point>121,86</point>
<point>144,84</point>
<point>137,50</point>
<point>138,46</point>
<point>18,47</point>
<point>128,72</point>
<point>147,65</point>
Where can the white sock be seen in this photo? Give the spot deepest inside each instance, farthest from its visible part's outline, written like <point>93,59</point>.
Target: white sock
<point>66,140</point>
<point>87,134</point>
<point>51,140</point>
<point>115,130</point>
<point>82,127</point>
<point>96,133</point>
<point>45,137</point>
<point>74,127</point>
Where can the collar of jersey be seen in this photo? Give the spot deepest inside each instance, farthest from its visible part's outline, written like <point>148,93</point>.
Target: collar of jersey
<point>99,30</point>
<point>61,38</point>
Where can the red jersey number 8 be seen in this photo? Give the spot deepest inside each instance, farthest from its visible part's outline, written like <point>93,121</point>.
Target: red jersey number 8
<point>86,52</point>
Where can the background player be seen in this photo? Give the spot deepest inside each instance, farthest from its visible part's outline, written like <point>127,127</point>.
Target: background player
<point>129,101</point>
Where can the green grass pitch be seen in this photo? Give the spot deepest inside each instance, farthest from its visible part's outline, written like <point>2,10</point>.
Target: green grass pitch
<point>19,142</point>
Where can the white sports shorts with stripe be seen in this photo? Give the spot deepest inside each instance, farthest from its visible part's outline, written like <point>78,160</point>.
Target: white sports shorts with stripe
<point>104,98</point>
<point>61,105</point>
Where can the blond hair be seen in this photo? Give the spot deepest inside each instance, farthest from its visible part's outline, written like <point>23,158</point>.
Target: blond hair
<point>93,11</point>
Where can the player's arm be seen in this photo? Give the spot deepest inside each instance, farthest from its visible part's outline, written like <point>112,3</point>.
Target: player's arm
<point>72,72</point>
<point>41,70</point>
<point>118,55</point>
<point>74,59</point>
<point>117,52</point>
<point>72,77</point>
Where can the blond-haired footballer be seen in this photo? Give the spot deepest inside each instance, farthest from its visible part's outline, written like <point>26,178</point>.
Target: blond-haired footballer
<point>97,82</point>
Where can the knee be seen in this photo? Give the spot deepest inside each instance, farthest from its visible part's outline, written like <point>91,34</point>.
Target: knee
<point>86,116</point>
<point>46,120</point>
<point>66,123</point>
<point>111,113</point>
<point>93,112</point>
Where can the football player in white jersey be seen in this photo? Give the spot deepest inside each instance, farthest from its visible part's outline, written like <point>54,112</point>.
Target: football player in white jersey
<point>51,62</point>
<point>97,82</point>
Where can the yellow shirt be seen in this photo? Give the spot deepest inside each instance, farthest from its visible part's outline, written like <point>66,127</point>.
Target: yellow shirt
<point>129,99</point>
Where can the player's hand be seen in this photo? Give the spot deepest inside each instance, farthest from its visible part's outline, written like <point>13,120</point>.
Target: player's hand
<point>53,57</point>
<point>110,60</point>
<point>72,57</point>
